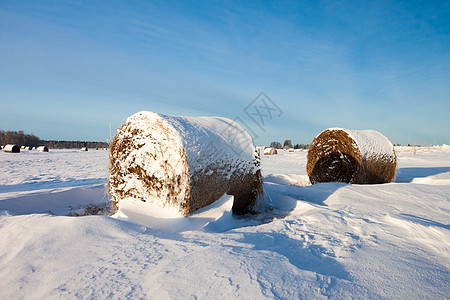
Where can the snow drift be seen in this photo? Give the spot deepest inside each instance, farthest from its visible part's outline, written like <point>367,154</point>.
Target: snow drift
<point>184,162</point>
<point>323,241</point>
<point>351,156</point>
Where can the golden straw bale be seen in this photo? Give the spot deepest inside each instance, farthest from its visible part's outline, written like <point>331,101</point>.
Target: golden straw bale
<point>184,162</point>
<point>351,156</point>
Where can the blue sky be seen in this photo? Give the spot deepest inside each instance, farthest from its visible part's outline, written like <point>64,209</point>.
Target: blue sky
<point>69,69</point>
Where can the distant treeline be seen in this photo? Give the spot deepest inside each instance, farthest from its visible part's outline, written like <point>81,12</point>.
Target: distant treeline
<point>22,139</point>
<point>73,144</point>
<point>288,144</point>
<point>19,138</point>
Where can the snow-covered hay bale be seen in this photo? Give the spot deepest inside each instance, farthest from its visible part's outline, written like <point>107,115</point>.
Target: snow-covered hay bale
<point>28,148</point>
<point>270,151</point>
<point>42,149</point>
<point>260,150</point>
<point>12,148</point>
<point>84,149</point>
<point>184,162</point>
<point>351,156</point>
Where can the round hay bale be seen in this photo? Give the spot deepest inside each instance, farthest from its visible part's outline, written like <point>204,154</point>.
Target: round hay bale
<point>270,151</point>
<point>42,149</point>
<point>84,149</point>
<point>351,156</point>
<point>259,150</point>
<point>184,162</point>
<point>12,148</point>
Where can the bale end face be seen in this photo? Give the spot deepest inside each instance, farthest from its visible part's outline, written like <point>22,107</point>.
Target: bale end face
<point>147,163</point>
<point>333,156</point>
<point>247,194</point>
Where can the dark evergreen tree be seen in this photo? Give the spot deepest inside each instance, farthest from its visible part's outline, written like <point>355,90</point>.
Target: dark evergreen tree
<point>287,144</point>
<point>275,145</point>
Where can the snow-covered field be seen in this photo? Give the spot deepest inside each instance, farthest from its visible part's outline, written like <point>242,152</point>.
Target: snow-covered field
<point>326,240</point>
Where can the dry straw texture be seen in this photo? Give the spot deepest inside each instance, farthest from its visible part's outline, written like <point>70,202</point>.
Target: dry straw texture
<point>183,162</point>
<point>351,156</point>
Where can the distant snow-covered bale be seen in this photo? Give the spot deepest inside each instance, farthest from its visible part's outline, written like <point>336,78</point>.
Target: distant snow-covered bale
<point>270,151</point>
<point>184,162</point>
<point>351,156</point>
<point>84,149</point>
<point>42,149</point>
<point>260,150</point>
<point>444,147</point>
<point>12,148</point>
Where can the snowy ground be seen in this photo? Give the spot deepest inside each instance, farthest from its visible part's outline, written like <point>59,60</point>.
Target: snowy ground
<point>327,240</point>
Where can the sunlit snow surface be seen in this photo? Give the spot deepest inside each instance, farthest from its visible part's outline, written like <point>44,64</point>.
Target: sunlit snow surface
<point>327,240</point>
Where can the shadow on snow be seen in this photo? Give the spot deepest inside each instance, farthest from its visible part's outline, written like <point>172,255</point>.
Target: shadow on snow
<point>406,175</point>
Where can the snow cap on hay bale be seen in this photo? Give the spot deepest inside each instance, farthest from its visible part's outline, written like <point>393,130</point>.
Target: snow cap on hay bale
<point>84,149</point>
<point>351,156</point>
<point>270,151</point>
<point>184,162</point>
<point>42,149</point>
<point>12,148</point>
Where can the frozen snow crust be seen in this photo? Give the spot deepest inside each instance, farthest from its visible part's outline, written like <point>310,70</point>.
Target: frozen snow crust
<point>322,241</point>
<point>183,162</point>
